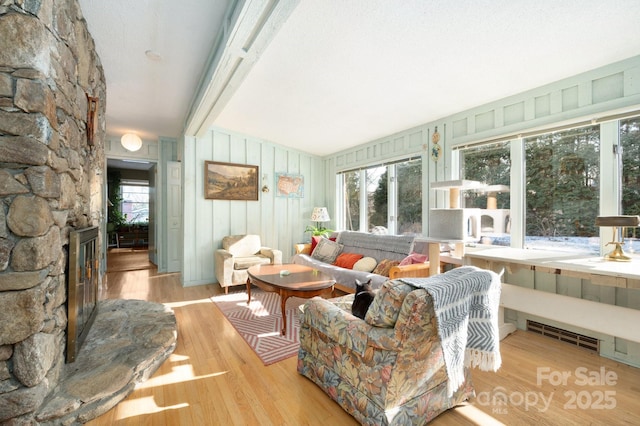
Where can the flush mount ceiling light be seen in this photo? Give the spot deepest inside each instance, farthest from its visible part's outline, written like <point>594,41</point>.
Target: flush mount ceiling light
<point>131,142</point>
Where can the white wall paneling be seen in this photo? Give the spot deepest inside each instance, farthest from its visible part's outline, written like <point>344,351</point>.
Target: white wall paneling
<point>279,221</point>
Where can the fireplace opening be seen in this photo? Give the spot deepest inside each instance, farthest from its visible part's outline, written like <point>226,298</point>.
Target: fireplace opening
<point>82,289</point>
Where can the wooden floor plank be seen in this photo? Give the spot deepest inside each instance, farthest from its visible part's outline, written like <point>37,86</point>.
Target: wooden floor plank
<point>214,378</point>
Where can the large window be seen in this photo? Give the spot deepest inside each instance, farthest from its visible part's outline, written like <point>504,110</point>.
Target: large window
<point>562,189</point>
<point>630,177</point>
<point>491,166</point>
<point>351,192</point>
<point>377,200</point>
<point>384,198</point>
<point>135,203</point>
<point>409,189</point>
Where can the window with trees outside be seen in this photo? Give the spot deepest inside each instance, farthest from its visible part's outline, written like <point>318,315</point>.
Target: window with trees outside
<point>630,143</point>
<point>385,197</point>
<point>562,177</point>
<point>562,190</point>
<point>491,166</point>
<point>135,203</point>
<point>351,192</point>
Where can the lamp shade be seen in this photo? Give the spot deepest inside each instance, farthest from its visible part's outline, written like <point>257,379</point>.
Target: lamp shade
<point>320,214</point>
<point>624,221</point>
<point>131,141</point>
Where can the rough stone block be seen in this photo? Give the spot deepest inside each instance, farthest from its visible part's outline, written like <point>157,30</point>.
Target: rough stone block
<point>35,125</point>
<point>22,149</point>
<point>60,218</point>
<point>9,185</point>
<point>58,164</point>
<point>32,254</point>
<point>35,96</point>
<point>24,49</point>
<point>6,104</point>
<point>5,352</point>
<point>22,401</point>
<point>12,281</point>
<point>44,181</point>
<point>68,192</point>
<point>29,216</point>
<point>22,314</point>
<point>6,85</point>
<point>33,357</point>
<point>57,408</point>
<point>3,223</point>
<point>29,73</point>
<point>4,371</point>
<point>5,253</point>
<point>31,6</point>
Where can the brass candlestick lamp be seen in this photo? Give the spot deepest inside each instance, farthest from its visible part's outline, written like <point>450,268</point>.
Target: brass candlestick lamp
<point>618,222</point>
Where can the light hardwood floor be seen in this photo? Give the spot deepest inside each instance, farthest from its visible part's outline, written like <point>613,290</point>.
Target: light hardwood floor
<point>213,378</point>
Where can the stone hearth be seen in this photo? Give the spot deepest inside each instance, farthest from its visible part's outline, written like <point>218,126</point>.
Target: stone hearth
<point>127,343</point>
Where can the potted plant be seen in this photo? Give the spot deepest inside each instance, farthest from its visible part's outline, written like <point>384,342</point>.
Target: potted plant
<point>319,231</point>
<point>115,218</point>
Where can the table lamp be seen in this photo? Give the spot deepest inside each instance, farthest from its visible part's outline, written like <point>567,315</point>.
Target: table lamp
<point>319,215</point>
<point>618,222</point>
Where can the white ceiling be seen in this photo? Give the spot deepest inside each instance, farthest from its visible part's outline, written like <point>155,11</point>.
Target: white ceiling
<point>338,74</point>
<point>149,95</point>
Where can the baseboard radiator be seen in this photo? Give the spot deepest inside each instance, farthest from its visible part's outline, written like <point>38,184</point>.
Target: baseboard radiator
<point>566,336</point>
<point>602,318</point>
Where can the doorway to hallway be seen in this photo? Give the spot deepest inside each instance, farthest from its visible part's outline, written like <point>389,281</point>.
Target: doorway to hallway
<point>128,259</point>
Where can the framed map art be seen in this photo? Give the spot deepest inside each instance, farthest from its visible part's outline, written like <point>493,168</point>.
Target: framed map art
<point>289,185</point>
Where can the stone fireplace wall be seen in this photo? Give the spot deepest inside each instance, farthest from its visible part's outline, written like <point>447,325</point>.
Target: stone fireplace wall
<point>50,182</point>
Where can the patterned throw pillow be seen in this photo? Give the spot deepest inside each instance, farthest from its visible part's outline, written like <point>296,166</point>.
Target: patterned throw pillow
<point>347,260</point>
<point>366,264</point>
<point>385,308</point>
<point>384,266</point>
<point>315,240</point>
<point>327,251</point>
<point>414,258</point>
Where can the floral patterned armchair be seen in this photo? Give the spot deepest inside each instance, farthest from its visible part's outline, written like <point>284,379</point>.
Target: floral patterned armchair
<point>387,369</point>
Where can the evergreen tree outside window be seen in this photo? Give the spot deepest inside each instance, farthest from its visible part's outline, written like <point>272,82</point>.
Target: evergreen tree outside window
<point>409,190</point>
<point>378,190</point>
<point>563,190</point>
<point>491,165</point>
<point>630,143</point>
<point>351,192</point>
<point>377,196</point>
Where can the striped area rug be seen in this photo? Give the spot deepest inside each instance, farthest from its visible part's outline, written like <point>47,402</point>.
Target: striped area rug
<point>260,322</point>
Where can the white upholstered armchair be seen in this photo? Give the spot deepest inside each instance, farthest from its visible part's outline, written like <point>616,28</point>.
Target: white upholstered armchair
<point>239,253</point>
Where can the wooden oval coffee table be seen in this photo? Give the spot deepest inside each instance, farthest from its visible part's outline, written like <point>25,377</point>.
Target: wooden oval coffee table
<point>302,281</point>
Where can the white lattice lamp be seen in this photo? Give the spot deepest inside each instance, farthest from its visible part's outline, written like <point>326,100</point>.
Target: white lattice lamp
<point>618,222</point>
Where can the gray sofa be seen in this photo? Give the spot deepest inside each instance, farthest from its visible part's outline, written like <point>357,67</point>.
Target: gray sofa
<point>380,247</point>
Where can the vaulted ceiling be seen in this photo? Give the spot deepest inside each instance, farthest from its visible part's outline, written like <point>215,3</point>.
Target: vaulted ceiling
<point>333,74</point>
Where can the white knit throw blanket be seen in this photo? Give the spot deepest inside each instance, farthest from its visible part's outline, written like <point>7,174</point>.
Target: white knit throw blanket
<point>466,302</point>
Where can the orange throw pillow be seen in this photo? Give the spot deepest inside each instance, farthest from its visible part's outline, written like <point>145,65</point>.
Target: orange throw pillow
<point>347,260</point>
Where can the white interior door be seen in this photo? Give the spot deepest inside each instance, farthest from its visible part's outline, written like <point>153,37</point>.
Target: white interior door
<point>153,252</point>
<point>174,215</point>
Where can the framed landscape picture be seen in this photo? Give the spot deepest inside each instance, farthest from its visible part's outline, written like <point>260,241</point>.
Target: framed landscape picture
<point>230,181</point>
